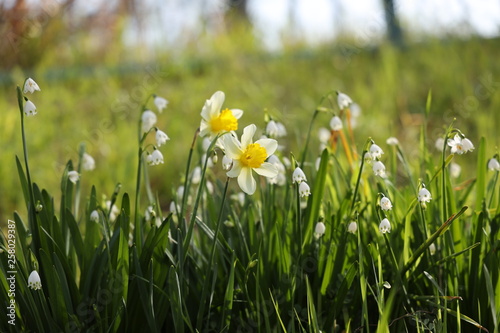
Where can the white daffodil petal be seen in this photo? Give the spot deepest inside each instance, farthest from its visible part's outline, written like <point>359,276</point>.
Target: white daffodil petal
<point>267,170</point>
<point>235,170</point>
<point>246,181</point>
<point>217,101</point>
<point>247,136</point>
<point>270,145</point>
<point>231,147</point>
<point>237,113</point>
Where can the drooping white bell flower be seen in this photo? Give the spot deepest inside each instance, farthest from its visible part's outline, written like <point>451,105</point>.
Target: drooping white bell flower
<point>379,169</point>
<point>148,120</point>
<point>160,103</point>
<point>304,190</point>
<point>161,137</point>
<point>29,108</point>
<point>30,86</point>
<point>155,158</point>
<point>336,124</point>
<point>94,216</point>
<point>385,226</point>
<point>424,195</point>
<point>353,227</point>
<point>392,141</point>
<point>493,164</point>
<point>88,162</point>
<point>385,203</point>
<point>73,176</point>
<point>343,100</point>
<point>319,230</point>
<point>376,151</point>
<point>460,146</point>
<point>298,176</point>
<point>34,281</point>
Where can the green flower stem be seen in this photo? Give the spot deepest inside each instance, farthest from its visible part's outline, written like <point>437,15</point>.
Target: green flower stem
<point>182,219</point>
<point>76,206</point>
<point>138,225</point>
<point>31,204</point>
<point>208,282</point>
<point>308,138</point>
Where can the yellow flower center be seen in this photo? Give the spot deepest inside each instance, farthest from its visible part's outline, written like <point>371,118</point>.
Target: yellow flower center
<point>253,156</point>
<point>226,121</point>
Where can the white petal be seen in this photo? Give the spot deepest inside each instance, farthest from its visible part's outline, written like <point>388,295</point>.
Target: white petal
<point>247,136</point>
<point>235,170</point>
<point>269,144</point>
<point>237,113</point>
<point>217,101</point>
<point>246,181</point>
<point>267,170</point>
<point>231,147</point>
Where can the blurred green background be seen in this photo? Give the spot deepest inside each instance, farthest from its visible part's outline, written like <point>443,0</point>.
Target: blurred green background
<point>94,83</point>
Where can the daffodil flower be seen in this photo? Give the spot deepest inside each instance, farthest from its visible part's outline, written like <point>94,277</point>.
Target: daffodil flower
<point>34,281</point>
<point>353,227</point>
<point>248,156</point>
<point>148,119</point>
<point>460,146</point>
<point>385,226</point>
<point>160,103</point>
<point>385,204</point>
<point>73,176</point>
<point>319,230</point>
<point>298,176</point>
<point>214,121</point>
<point>29,108</point>
<point>161,137</point>
<point>30,86</point>
<point>343,100</point>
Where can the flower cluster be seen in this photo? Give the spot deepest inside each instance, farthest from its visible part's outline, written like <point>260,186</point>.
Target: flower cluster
<point>30,86</point>
<point>299,177</point>
<point>148,121</point>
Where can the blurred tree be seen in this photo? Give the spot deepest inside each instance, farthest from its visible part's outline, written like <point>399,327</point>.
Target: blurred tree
<point>394,32</point>
<point>237,13</point>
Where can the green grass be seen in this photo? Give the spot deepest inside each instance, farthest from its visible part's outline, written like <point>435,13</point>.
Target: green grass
<point>218,264</point>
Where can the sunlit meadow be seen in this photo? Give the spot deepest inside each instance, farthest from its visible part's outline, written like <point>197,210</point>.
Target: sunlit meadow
<point>329,237</point>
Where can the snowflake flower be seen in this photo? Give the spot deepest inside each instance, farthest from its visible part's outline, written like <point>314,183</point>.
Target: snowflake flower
<point>155,158</point>
<point>30,86</point>
<point>161,137</point>
<point>385,204</point>
<point>248,156</point>
<point>336,124</point>
<point>424,195</point>
<point>493,164</point>
<point>88,162</point>
<point>319,230</point>
<point>392,141</point>
<point>379,169</point>
<point>376,151</point>
<point>385,226</point>
<point>304,190</point>
<point>73,176</point>
<point>353,227</point>
<point>148,120</point>
<point>214,121</point>
<point>34,281</point>
<point>94,216</point>
<point>343,100</point>
<point>298,176</point>
<point>275,129</point>
<point>29,108</point>
<point>460,146</point>
<point>160,103</point>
